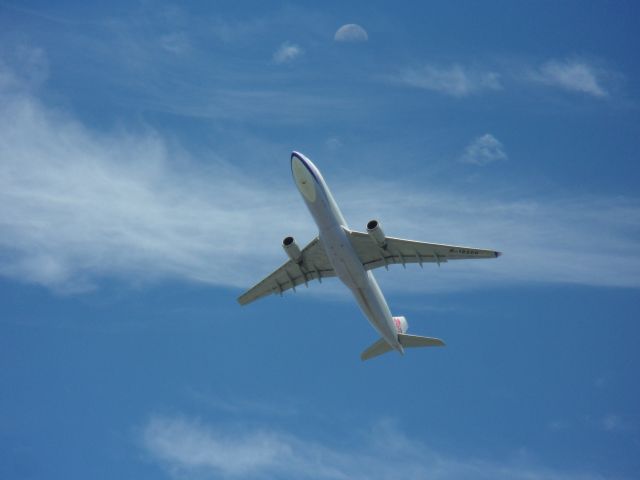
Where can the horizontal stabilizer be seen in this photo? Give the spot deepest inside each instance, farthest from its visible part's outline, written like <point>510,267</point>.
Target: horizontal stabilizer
<point>410,341</point>
<point>378,348</point>
<point>407,341</point>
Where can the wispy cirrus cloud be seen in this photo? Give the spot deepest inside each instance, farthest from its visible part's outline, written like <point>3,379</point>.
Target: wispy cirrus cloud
<point>571,75</point>
<point>538,235</point>
<point>78,205</point>
<point>612,422</point>
<point>484,150</point>
<point>187,447</point>
<point>245,407</point>
<point>619,423</point>
<point>176,42</point>
<point>454,80</point>
<point>287,52</point>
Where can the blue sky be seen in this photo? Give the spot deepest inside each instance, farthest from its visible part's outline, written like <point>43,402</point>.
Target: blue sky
<point>145,183</point>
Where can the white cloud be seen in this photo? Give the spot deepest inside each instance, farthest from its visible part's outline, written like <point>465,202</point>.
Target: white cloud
<point>351,32</point>
<point>614,423</point>
<point>188,448</point>
<point>552,238</point>
<point>573,75</point>
<point>239,31</point>
<point>78,205</point>
<point>558,425</point>
<point>333,143</point>
<point>611,422</point>
<point>483,150</point>
<point>461,81</point>
<point>176,43</point>
<point>244,407</point>
<point>454,80</point>
<point>600,382</point>
<point>287,52</point>
<point>30,69</point>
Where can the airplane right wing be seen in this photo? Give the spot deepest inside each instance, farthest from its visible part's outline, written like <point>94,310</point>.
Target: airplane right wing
<point>410,251</point>
<point>314,265</point>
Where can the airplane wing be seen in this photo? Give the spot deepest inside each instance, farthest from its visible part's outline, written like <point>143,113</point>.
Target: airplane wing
<point>409,251</point>
<point>314,265</point>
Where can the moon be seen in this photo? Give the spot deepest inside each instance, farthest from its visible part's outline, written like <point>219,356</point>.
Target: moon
<point>351,32</point>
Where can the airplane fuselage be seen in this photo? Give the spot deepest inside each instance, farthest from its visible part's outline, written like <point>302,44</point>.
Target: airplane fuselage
<point>334,238</point>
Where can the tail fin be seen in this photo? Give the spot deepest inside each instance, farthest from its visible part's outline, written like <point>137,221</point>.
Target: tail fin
<point>407,341</point>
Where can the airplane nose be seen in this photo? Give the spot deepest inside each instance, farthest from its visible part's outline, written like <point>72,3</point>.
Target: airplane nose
<point>297,156</point>
<point>303,177</point>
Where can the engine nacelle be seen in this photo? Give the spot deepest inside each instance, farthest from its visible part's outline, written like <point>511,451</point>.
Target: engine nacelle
<point>375,231</point>
<point>292,250</point>
<point>401,324</point>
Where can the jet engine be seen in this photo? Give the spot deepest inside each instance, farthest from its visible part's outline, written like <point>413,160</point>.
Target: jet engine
<point>375,231</point>
<point>292,250</point>
<point>401,324</point>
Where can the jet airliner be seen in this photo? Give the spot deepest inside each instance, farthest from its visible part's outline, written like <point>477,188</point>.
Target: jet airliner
<point>351,255</point>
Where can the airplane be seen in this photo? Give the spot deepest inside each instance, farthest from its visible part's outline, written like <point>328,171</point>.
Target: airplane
<point>351,256</point>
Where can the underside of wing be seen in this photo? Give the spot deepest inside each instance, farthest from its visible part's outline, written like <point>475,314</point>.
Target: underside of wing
<point>314,265</point>
<point>402,251</point>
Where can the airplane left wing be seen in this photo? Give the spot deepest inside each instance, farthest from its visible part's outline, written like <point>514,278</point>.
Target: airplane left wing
<point>409,251</point>
<point>314,265</point>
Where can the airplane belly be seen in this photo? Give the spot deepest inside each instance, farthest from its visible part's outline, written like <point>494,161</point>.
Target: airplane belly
<point>375,308</point>
<point>361,282</point>
<point>343,258</point>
